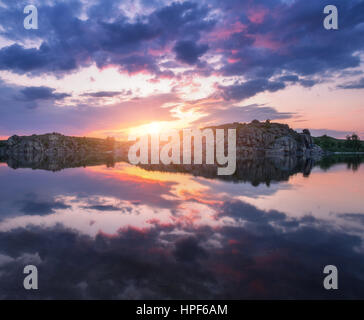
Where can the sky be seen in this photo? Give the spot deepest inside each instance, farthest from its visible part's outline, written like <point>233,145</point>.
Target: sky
<point>109,67</point>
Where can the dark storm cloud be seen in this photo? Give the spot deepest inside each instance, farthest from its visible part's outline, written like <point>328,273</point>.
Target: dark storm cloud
<point>189,52</point>
<point>188,250</point>
<point>120,34</point>
<point>183,20</point>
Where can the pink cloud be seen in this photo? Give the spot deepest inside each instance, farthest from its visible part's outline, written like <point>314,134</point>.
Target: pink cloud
<point>227,30</point>
<point>257,15</point>
<point>265,41</point>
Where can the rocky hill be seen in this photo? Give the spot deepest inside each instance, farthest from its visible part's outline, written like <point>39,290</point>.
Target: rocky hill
<point>268,139</point>
<point>54,144</point>
<point>55,151</point>
<point>256,139</point>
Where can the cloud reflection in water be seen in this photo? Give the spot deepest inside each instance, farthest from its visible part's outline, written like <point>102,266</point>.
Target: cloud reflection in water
<point>125,232</point>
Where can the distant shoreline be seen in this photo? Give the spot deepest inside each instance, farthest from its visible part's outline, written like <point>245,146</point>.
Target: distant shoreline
<point>349,153</point>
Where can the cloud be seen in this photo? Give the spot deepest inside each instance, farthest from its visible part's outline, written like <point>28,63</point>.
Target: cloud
<point>103,208</point>
<point>246,113</point>
<point>271,37</point>
<point>289,78</point>
<point>188,250</point>
<point>307,83</point>
<point>241,261</point>
<point>19,59</point>
<point>108,38</point>
<point>353,85</point>
<point>248,89</point>
<point>34,205</point>
<point>247,212</point>
<point>105,94</point>
<point>189,52</point>
<point>332,133</point>
<point>288,38</point>
<point>31,207</point>
<point>39,115</point>
<point>355,217</point>
<point>41,93</point>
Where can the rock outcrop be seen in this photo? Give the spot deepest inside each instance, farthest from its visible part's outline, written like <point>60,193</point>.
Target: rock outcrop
<point>56,144</point>
<point>266,139</point>
<point>55,151</point>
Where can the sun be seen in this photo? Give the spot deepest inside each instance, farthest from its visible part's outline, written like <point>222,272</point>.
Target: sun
<point>157,127</point>
<point>153,128</point>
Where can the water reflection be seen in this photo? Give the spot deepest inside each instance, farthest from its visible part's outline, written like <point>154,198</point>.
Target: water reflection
<point>124,232</point>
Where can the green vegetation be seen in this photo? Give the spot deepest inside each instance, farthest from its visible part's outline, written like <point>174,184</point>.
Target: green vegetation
<point>3,143</point>
<point>350,144</point>
<point>353,162</point>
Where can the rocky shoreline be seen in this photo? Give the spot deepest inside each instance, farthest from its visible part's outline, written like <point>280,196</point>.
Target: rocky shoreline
<point>254,140</point>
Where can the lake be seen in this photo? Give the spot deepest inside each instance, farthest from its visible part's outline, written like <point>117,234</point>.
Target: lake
<point>125,232</point>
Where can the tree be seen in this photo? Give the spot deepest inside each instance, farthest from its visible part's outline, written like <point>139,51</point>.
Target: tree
<point>355,140</point>
<point>348,143</point>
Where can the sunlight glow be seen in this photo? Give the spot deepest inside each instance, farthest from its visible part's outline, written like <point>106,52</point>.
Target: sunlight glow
<point>150,128</point>
<point>157,127</point>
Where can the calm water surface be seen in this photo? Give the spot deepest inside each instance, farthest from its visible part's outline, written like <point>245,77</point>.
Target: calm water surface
<point>127,233</point>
